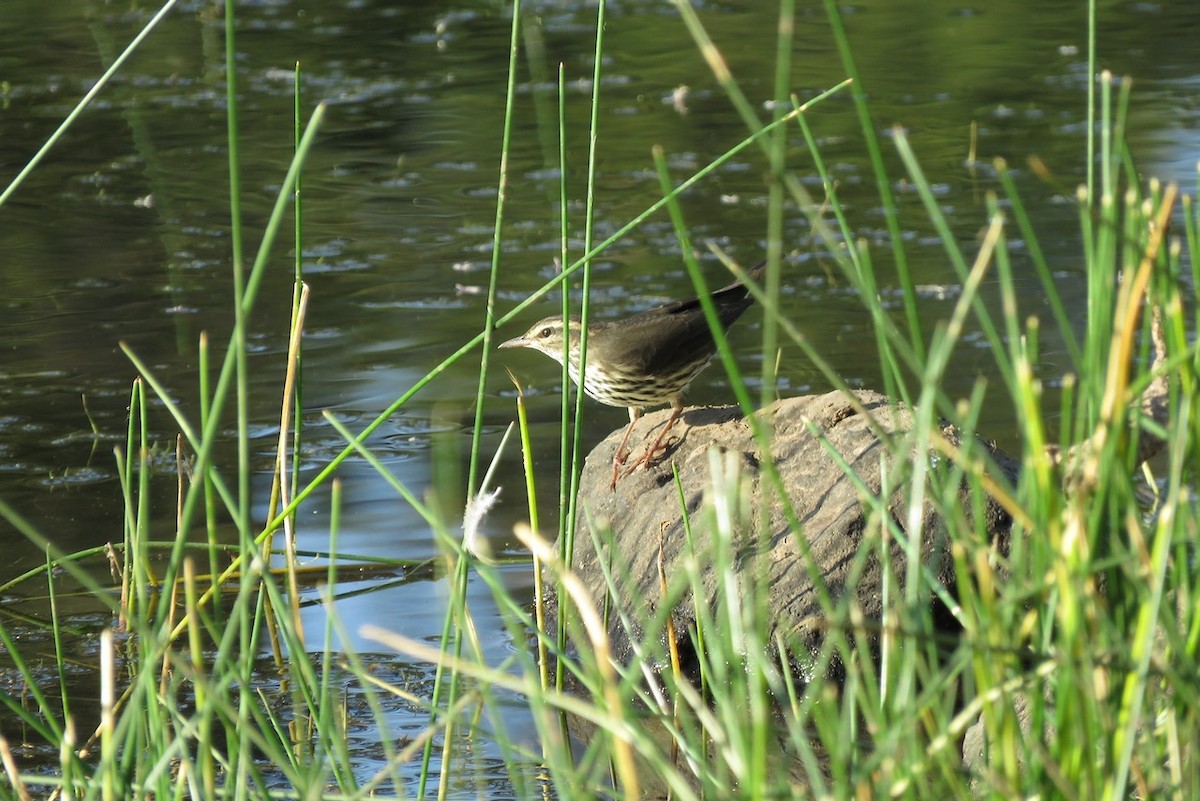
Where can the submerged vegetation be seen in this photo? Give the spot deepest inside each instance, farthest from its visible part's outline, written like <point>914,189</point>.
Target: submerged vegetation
<point>1073,672</point>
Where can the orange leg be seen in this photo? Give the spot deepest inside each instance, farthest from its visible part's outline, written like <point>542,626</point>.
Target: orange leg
<point>651,453</point>
<point>621,455</point>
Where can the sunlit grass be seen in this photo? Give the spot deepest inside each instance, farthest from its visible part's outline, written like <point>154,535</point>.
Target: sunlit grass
<point>1076,627</point>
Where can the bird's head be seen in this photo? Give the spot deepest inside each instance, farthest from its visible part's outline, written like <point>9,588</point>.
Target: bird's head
<point>547,336</point>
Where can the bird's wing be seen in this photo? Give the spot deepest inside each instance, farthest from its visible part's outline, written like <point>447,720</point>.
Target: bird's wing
<point>677,332</point>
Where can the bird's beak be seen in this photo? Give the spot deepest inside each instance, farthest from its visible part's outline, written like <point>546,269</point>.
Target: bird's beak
<point>515,342</point>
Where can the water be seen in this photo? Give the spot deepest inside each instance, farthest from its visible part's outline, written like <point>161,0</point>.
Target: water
<point>122,234</point>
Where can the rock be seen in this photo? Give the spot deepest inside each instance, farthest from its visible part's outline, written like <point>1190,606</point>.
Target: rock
<point>640,524</point>
<point>643,513</point>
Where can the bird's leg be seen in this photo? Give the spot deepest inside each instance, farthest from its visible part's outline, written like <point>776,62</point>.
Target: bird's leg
<point>621,455</point>
<point>649,456</point>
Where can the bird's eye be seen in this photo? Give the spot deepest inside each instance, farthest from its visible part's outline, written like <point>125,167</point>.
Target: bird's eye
<point>545,332</point>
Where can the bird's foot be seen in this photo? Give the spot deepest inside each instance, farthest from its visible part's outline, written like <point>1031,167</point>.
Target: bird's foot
<point>651,455</point>
<point>640,461</point>
<point>654,454</point>
<point>658,452</point>
<point>619,460</point>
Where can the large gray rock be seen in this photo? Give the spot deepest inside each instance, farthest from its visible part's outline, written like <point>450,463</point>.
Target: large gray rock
<point>830,565</point>
<point>642,516</point>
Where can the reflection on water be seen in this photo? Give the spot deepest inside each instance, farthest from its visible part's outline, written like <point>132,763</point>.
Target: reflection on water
<point>122,235</point>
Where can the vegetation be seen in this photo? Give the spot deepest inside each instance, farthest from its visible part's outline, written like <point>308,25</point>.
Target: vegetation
<point>1077,652</point>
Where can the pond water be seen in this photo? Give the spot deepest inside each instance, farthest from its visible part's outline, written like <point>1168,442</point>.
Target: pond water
<point>123,235</point>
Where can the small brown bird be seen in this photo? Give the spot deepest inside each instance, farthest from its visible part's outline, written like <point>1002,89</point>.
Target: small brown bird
<point>641,361</point>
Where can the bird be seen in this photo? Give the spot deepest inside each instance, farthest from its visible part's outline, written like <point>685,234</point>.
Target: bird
<point>641,361</point>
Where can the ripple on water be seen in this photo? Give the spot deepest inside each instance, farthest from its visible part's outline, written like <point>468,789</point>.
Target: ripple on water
<point>73,477</point>
<point>86,436</point>
<point>399,439</point>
